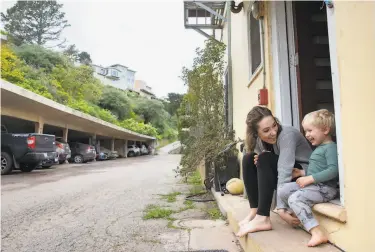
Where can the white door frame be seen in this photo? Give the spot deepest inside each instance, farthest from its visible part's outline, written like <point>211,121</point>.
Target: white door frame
<point>293,63</point>
<point>284,71</point>
<point>331,22</point>
<point>280,63</point>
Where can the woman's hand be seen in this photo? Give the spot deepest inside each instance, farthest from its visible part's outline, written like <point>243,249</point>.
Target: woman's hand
<point>305,181</point>
<point>255,159</point>
<point>297,173</point>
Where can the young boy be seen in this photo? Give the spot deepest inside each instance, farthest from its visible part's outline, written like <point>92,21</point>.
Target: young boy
<point>320,183</point>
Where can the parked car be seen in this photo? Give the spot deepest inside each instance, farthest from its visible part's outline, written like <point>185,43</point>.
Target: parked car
<point>110,154</point>
<point>25,151</point>
<point>63,150</point>
<point>51,159</point>
<point>101,156</point>
<point>133,150</point>
<point>144,150</point>
<point>82,153</point>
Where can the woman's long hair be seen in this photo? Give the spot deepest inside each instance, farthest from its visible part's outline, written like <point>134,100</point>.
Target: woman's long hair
<point>255,115</point>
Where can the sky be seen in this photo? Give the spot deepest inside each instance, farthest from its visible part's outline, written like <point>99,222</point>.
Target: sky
<point>146,36</point>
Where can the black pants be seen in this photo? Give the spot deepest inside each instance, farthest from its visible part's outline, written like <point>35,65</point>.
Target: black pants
<point>261,180</point>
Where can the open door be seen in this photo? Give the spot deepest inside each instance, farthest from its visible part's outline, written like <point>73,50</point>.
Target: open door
<point>312,57</point>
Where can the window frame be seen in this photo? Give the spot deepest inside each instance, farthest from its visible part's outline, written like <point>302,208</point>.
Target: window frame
<point>253,73</point>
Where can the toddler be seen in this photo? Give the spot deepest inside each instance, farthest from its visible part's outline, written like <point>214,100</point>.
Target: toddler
<point>320,183</point>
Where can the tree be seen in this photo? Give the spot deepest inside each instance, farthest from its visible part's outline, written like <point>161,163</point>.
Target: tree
<point>202,108</point>
<point>78,82</point>
<point>152,111</point>
<point>84,58</point>
<point>39,57</point>
<point>35,22</point>
<point>72,53</point>
<point>173,103</point>
<point>116,101</point>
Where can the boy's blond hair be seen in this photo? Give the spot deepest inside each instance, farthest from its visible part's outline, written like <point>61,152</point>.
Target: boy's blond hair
<point>321,118</point>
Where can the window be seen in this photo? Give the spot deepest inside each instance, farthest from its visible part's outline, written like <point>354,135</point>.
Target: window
<point>102,71</point>
<point>114,73</point>
<point>255,56</point>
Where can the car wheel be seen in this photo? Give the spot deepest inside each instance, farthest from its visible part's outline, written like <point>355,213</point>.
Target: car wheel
<point>131,154</point>
<point>78,159</point>
<point>28,167</point>
<point>6,163</point>
<point>62,161</point>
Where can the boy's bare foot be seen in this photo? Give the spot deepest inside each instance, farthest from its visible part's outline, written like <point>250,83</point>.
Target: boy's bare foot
<point>259,223</point>
<point>249,217</point>
<point>318,236</point>
<point>291,219</point>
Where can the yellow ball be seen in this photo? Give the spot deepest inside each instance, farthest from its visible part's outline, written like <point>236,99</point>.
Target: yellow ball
<point>235,186</point>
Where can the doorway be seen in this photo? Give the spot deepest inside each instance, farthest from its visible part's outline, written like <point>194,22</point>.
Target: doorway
<point>313,85</point>
<point>311,58</point>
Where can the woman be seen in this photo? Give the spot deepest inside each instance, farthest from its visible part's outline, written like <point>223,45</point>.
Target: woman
<point>273,153</point>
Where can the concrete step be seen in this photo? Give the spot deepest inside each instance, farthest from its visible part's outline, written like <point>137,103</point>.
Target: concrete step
<point>283,237</point>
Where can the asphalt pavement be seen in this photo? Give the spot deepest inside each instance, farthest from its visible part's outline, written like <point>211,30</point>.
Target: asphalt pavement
<point>92,207</point>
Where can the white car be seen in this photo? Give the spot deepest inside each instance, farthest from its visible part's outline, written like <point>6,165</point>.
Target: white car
<point>144,150</point>
<point>133,150</point>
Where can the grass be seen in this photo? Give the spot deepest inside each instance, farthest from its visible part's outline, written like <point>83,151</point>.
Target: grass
<point>194,178</point>
<point>170,223</point>
<point>196,190</point>
<point>156,212</point>
<point>171,197</point>
<point>189,203</point>
<point>214,212</point>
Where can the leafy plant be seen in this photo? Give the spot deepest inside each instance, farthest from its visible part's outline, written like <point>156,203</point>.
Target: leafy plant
<point>201,114</point>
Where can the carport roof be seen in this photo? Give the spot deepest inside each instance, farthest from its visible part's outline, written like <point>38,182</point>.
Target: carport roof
<point>15,98</point>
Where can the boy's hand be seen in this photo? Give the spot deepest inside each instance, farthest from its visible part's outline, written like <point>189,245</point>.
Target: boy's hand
<point>297,173</point>
<point>305,181</point>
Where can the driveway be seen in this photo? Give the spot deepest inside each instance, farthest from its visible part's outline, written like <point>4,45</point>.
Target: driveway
<point>90,207</point>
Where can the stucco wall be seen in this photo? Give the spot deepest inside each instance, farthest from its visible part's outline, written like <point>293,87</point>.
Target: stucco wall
<point>355,40</point>
<point>245,94</point>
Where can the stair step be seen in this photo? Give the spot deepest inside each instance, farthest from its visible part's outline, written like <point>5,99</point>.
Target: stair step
<point>283,237</point>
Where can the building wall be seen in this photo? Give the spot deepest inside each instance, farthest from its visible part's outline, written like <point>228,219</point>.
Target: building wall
<point>355,47</point>
<point>130,79</point>
<point>355,41</point>
<point>245,86</point>
<point>120,83</point>
<point>139,84</point>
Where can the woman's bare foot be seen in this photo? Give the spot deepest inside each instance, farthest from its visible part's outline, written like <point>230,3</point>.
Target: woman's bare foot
<point>318,236</point>
<point>253,212</point>
<point>291,219</point>
<point>259,223</point>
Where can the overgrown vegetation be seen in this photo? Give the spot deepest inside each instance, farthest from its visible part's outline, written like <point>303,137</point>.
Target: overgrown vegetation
<point>156,212</point>
<point>170,197</point>
<point>201,119</point>
<point>214,212</point>
<point>194,178</point>
<point>26,62</point>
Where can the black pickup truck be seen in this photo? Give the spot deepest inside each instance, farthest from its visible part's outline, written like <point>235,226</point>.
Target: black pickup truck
<point>25,151</point>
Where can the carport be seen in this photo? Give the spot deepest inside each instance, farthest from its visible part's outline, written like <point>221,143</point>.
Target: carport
<point>54,118</point>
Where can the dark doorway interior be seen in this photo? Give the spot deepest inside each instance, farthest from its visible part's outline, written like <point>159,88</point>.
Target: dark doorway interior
<point>314,67</point>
